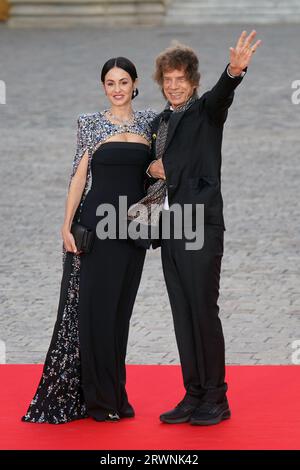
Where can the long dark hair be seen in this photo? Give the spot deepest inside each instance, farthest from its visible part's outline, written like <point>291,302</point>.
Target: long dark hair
<point>122,63</point>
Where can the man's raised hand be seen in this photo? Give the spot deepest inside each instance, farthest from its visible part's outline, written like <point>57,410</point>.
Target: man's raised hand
<point>241,54</point>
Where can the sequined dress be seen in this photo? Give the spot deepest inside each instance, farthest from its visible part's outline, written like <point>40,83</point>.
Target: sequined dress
<point>84,371</point>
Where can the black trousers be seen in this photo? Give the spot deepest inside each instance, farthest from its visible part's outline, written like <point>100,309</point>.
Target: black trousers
<point>192,278</point>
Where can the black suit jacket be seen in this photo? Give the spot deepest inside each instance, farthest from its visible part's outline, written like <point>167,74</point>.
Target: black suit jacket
<point>192,158</point>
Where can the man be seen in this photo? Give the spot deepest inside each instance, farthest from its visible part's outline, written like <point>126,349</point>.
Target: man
<point>187,140</point>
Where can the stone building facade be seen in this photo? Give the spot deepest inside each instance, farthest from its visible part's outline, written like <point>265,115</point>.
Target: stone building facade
<point>55,13</point>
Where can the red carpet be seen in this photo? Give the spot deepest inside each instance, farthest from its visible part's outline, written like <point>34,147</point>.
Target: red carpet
<point>264,401</point>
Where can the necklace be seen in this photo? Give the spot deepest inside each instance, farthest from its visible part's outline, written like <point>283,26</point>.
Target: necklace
<point>124,123</point>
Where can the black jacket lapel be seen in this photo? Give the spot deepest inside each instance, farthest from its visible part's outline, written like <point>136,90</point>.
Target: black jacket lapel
<point>176,118</point>
<point>173,123</point>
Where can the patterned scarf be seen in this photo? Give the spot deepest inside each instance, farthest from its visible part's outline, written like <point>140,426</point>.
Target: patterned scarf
<point>147,210</point>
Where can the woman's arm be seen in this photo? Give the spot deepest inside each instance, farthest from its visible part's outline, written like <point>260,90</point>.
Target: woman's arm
<point>76,188</point>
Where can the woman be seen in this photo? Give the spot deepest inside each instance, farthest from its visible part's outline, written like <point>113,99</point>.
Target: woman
<point>84,372</point>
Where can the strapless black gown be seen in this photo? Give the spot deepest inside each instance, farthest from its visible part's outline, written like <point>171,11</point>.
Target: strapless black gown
<point>109,279</point>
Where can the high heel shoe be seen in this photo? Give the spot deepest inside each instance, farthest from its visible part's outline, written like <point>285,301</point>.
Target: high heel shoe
<point>112,417</point>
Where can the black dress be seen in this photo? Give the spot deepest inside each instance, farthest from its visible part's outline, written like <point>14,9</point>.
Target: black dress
<point>92,376</point>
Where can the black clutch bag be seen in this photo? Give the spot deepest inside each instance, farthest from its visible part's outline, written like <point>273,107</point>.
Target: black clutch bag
<point>84,237</point>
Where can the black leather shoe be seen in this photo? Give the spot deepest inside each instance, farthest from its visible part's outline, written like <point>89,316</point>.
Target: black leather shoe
<point>180,414</point>
<point>128,412</point>
<point>210,413</point>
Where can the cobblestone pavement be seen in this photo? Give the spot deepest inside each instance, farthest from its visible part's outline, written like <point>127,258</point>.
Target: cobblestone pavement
<point>52,76</point>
